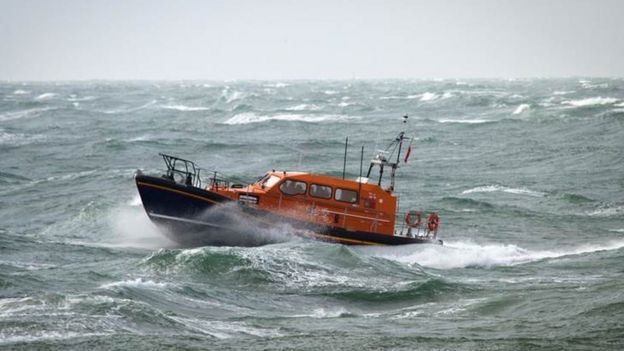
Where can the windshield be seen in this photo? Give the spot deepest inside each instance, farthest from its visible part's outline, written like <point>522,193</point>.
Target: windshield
<point>270,181</point>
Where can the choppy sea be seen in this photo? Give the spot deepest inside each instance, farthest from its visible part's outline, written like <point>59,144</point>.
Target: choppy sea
<point>527,176</point>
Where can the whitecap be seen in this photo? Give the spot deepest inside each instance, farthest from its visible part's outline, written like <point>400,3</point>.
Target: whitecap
<point>21,92</point>
<point>250,117</point>
<point>229,95</point>
<point>330,92</point>
<point>593,101</point>
<point>71,176</point>
<point>493,188</point>
<point>132,109</point>
<point>184,108</point>
<point>84,98</point>
<point>23,113</point>
<point>139,138</point>
<point>9,138</point>
<point>521,108</point>
<point>303,107</point>
<point>223,330</point>
<point>40,336</point>
<point>562,92</point>
<point>467,254</point>
<point>135,283</point>
<point>610,211</point>
<point>397,97</point>
<point>323,313</point>
<point>276,85</point>
<point>464,121</point>
<point>30,266</point>
<point>45,96</point>
<point>428,96</point>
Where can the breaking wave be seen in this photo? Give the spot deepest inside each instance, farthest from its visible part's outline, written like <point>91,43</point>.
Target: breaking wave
<point>135,283</point>
<point>304,107</point>
<point>607,211</point>
<point>32,112</point>
<point>46,96</point>
<point>464,121</point>
<point>521,108</point>
<point>468,254</point>
<point>250,117</point>
<point>184,108</point>
<point>593,101</point>
<point>129,109</point>
<point>493,188</point>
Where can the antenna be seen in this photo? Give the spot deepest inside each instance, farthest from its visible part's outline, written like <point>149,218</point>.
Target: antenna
<point>344,163</point>
<point>360,179</point>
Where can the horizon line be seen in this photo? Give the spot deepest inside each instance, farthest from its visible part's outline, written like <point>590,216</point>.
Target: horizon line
<point>519,78</point>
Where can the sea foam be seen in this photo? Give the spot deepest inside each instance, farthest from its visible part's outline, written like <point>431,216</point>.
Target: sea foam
<point>468,254</point>
<point>521,108</point>
<point>303,107</point>
<point>135,283</point>
<point>493,188</point>
<point>45,96</point>
<point>464,121</point>
<point>184,108</point>
<point>250,117</point>
<point>32,112</point>
<point>593,101</point>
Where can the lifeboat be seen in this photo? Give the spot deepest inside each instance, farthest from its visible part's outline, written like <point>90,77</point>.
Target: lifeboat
<point>195,209</point>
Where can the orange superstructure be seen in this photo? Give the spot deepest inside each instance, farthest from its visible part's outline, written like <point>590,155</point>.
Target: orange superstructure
<point>320,199</point>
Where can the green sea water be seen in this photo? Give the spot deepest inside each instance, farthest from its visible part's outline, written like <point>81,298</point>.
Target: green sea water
<point>527,176</point>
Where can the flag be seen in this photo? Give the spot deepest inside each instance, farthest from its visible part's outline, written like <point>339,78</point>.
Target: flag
<point>407,154</point>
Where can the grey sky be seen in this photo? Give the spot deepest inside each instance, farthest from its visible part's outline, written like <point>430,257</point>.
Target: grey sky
<point>67,40</point>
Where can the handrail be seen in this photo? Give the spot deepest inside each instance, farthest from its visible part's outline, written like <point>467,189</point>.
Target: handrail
<point>178,167</point>
<point>187,172</point>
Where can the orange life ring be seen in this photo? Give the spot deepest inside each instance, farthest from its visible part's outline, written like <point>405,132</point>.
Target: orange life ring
<point>413,218</point>
<point>433,221</point>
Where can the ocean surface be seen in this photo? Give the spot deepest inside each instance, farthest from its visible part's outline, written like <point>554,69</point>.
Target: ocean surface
<point>527,176</point>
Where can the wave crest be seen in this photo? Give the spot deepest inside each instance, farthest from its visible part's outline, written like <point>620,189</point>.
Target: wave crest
<point>493,188</point>
<point>250,117</point>
<point>468,254</point>
<point>521,108</point>
<point>593,101</point>
<point>184,108</point>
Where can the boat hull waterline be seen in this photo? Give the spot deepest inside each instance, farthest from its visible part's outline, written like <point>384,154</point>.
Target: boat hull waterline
<point>193,216</point>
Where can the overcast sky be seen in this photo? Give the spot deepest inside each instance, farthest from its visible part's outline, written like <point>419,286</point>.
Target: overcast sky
<point>319,39</point>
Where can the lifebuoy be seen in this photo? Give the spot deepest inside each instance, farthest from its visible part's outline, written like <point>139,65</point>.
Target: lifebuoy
<point>413,218</point>
<point>433,221</point>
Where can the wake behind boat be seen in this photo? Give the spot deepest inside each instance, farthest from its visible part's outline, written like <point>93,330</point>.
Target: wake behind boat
<point>353,212</point>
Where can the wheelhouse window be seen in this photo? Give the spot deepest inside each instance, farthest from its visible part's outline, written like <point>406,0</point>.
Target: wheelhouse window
<point>346,195</point>
<point>321,191</point>
<point>293,187</point>
<point>270,181</point>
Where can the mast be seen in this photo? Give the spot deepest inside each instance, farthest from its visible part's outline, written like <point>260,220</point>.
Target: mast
<point>381,159</point>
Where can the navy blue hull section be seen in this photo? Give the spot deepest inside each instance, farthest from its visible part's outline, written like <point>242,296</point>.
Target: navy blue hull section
<point>195,217</point>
